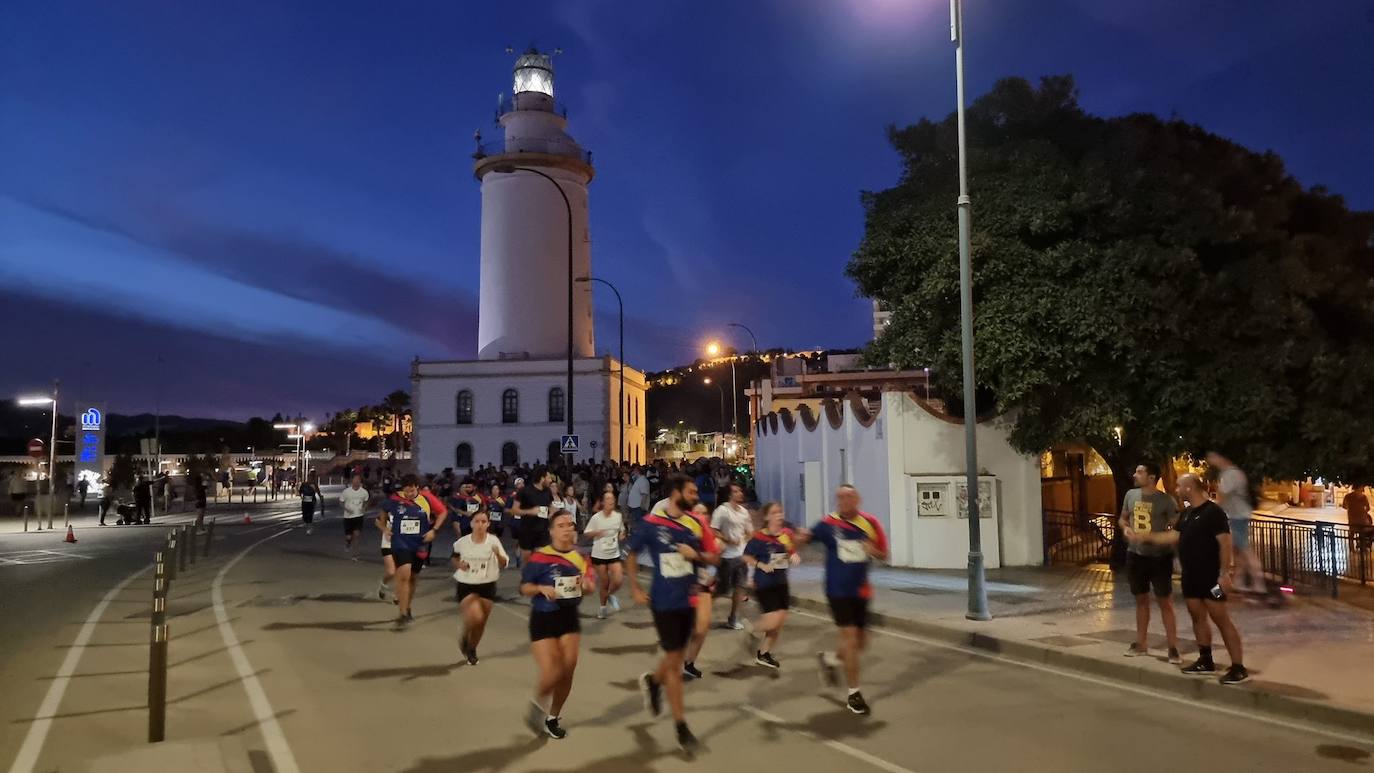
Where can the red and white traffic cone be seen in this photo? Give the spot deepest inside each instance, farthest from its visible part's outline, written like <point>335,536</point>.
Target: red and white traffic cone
<point>71,537</point>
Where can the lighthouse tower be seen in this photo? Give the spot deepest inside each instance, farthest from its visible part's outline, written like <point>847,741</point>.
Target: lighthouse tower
<point>512,406</point>
<point>534,200</point>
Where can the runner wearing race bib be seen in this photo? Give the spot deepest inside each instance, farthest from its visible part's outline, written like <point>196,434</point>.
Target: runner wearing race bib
<point>852,538</point>
<point>606,527</point>
<point>354,501</point>
<point>554,579</point>
<point>414,520</point>
<point>496,511</point>
<point>708,576</point>
<point>674,540</point>
<point>478,558</point>
<point>770,552</point>
<point>463,505</point>
<point>310,495</point>
<point>533,503</point>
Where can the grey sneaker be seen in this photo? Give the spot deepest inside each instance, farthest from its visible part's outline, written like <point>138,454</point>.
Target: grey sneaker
<point>828,673</point>
<point>1135,651</point>
<point>1174,658</point>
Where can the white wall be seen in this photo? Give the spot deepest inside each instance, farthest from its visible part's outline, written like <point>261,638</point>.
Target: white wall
<point>904,444</point>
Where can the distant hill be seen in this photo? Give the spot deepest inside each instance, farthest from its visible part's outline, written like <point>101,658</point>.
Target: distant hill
<point>119,424</point>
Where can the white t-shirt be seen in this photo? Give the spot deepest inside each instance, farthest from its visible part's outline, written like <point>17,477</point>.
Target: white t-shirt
<point>483,566</point>
<point>733,523</point>
<point>354,501</point>
<point>609,546</point>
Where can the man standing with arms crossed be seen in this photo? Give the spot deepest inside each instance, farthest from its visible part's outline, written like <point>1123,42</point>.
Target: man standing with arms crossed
<point>852,539</point>
<point>1148,510</point>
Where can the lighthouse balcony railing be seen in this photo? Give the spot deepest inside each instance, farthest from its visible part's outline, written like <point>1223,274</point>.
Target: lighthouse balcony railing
<point>530,101</point>
<point>551,147</point>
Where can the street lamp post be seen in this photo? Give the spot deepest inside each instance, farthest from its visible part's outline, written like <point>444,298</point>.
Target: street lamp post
<point>620,304</point>
<point>52,441</point>
<point>977,586</point>
<point>708,382</point>
<point>734,390</point>
<point>714,349</point>
<point>568,458</point>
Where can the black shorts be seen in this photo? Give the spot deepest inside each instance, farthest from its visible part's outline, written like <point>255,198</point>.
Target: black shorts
<point>403,557</point>
<point>674,627</point>
<point>1150,573</point>
<point>552,625</point>
<point>308,511</point>
<point>496,527</point>
<point>386,552</point>
<point>352,525</point>
<point>604,561</point>
<point>534,535</point>
<point>774,598</point>
<point>1195,585</point>
<point>730,574</point>
<point>486,590</point>
<point>848,612</point>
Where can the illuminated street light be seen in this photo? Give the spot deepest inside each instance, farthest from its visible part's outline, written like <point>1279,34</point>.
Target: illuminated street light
<point>713,348</point>
<point>34,401</point>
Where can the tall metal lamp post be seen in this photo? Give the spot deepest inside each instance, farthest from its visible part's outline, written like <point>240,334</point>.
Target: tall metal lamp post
<point>52,442</point>
<point>620,304</point>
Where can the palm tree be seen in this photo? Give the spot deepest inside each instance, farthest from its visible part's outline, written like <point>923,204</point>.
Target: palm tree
<point>396,406</point>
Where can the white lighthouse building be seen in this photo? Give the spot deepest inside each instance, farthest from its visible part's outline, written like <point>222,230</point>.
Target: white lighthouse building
<point>510,405</point>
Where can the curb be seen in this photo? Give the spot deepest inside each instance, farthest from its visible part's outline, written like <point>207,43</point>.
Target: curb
<point>1245,697</point>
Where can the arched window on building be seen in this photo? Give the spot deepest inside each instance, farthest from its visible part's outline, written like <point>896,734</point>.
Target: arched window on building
<point>510,407</point>
<point>556,404</point>
<point>510,455</point>
<point>464,406</point>
<point>462,457</point>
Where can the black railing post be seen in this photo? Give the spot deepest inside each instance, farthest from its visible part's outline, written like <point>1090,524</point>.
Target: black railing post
<point>1284,548</point>
<point>157,654</point>
<point>189,533</point>
<point>209,536</point>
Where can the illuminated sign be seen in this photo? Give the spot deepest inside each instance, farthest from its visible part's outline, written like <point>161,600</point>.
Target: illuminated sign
<point>90,444</point>
<point>91,419</point>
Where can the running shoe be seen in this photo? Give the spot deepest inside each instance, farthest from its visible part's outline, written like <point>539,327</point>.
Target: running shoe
<point>535,716</point>
<point>766,659</point>
<point>601,612</point>
<point>1135,650</point>
<point>857,704</point>
<point>615,604</point>
<point>381,592</point>
<point>734,625</point>
<point>1175,658</point>
<point>685,740</point>
<point>472,656</point>
<point>552,727</point>
<point>1200,667</point>
<point>402,621</point>
<point>653,694</point>
<point>690,671</point>
<point>1236,674</point>
<point>827,671</point>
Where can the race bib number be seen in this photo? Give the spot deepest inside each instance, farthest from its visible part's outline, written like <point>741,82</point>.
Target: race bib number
<point>543,511</point>
<point>494,517</point>
<point>472,507</point>
<point>851,551</point>
<point>706,575</point>
<point>1140,516</point>
<point>674,565</point>
<point>476,570</point>
<point>568,587</point>
<point>410,526</point>
<point>779,561</point>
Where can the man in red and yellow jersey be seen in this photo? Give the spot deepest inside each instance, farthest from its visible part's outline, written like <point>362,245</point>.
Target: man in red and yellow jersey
<point>413,520</point>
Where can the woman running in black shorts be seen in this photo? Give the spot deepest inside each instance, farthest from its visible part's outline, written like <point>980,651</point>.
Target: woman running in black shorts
<point>478,559</point>
<point>555,578</point>
<point>770,552</point>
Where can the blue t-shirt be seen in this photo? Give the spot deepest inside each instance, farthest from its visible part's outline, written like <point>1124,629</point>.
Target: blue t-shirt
<point>410,519</point>
<point>463,509</point>
<point>563,571</point>
<point>846,562</point>
<point>675,577</point>
<point>496,509</point>
<point>777,551</point>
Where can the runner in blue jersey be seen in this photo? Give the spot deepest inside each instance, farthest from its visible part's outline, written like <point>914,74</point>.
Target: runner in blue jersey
<point>770,552</point>
<point>674,547</point>
<point>464,504</point>
<point>554,578</point>
<point>414,518</point>
<point>852,539</point>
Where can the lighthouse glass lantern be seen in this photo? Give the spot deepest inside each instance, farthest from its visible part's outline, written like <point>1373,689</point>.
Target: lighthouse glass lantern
<point>534,72</point>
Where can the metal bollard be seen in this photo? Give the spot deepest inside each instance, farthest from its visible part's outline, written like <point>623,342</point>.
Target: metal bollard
<point>171,556</point>
<point>157,655</point>
<point>209,537</point>
<point>26,516</point>
<point>183,549</point>
<point>191,542</point>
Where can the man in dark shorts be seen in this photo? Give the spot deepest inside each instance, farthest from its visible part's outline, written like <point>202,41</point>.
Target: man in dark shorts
<point>353,501</point>
<point>533,504</point>
<point>852,539</point>
<point>414,518</point>
<point>1203,537</point>
<point>310,496</point>
<point>673,547</point>
<point>1149,567</point>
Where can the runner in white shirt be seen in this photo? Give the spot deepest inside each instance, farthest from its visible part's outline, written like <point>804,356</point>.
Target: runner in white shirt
<point>478,558</point>
<point>606,527</point>
<point>354,500</point>
<point>733,526</point>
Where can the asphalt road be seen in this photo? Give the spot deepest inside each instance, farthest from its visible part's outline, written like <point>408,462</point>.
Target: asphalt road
<point>299,664</point>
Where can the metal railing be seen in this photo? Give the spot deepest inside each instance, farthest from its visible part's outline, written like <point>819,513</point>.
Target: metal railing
<point>540,103</point>
<point>553,147</point>
<point>1312,553</point>
<point>1078,538</point>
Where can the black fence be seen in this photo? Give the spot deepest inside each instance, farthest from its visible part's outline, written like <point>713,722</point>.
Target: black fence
<point>1312,553</point>
<point>1078,538</point>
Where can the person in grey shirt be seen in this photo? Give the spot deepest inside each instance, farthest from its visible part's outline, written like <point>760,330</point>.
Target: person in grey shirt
<point>1233,494</point>
<point>1150,566</point>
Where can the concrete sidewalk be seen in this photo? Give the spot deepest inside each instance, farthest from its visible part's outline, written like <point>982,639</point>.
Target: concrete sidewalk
<point>1308,659</point>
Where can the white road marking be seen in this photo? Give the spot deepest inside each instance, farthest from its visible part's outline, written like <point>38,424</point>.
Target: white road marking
<point>282,758</point>
<point>843,748</point>
<point>1209,706</point>
<point>38,731</point>
<point>26,557</point>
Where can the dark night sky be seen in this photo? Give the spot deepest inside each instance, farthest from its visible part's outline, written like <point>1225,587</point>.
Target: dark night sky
<point>277,199</point>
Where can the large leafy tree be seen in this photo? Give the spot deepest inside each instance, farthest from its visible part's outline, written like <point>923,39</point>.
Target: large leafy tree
<point>1140,284</point>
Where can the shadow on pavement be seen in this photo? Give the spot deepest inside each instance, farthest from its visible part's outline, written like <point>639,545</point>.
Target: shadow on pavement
<point>627,649</point>
<point>409,673</point>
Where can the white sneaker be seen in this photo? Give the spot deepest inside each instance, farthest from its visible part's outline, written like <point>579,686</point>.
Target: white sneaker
<point>615,603</point>
<point>601,613</point>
